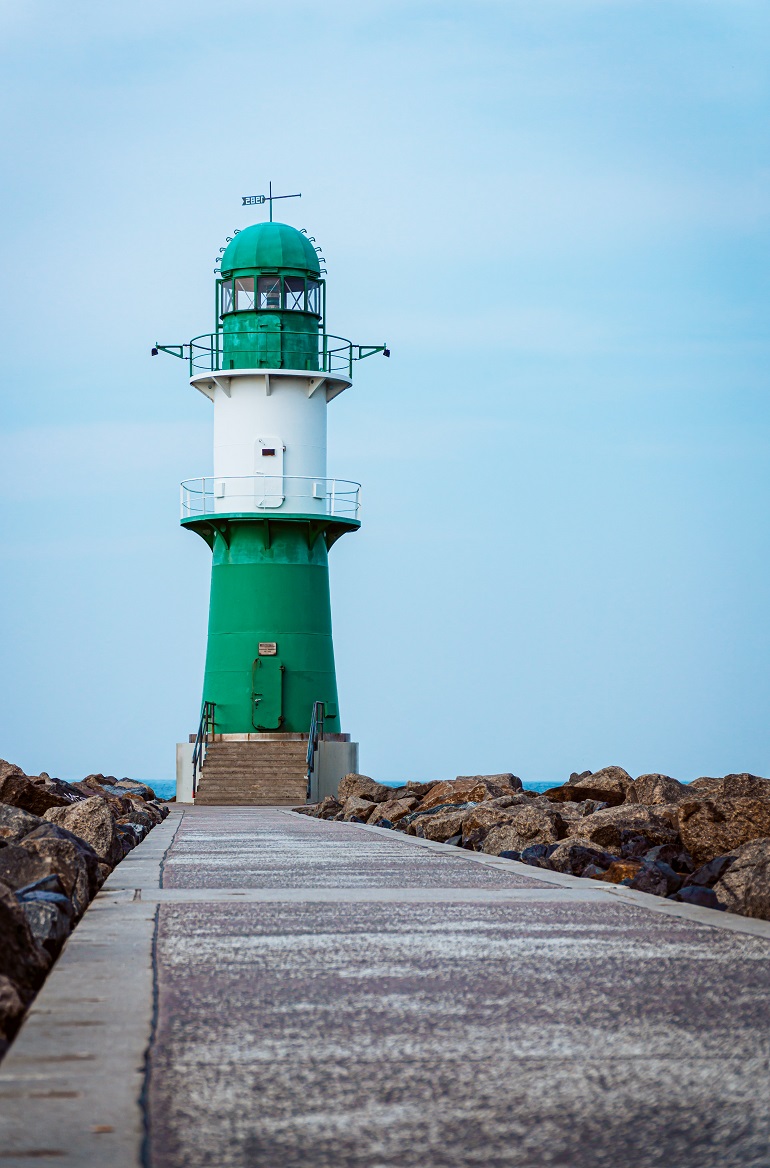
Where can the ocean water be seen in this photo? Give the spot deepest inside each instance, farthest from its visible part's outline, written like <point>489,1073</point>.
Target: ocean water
<point>163,788</point>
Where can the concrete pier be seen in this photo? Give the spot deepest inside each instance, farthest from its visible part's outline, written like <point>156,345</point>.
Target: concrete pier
<point>256,989</point>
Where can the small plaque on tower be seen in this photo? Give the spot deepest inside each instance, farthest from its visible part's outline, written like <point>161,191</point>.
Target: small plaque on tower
<point>268,648</point>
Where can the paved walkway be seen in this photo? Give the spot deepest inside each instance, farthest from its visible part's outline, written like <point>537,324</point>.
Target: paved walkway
<point>335,996</point>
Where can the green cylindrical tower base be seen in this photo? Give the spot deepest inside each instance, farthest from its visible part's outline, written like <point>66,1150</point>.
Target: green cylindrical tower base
<point>270,652</point>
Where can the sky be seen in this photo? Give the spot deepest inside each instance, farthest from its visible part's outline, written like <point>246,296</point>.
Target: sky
<point>557,216</point>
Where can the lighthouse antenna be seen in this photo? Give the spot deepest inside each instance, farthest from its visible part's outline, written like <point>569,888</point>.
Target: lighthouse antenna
<point>254,200</point>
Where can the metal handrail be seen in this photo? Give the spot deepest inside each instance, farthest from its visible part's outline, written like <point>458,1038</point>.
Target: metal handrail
<point>315,736</point>
<point>205,353</point>
<point>266,493</point>
<point>205,727</point>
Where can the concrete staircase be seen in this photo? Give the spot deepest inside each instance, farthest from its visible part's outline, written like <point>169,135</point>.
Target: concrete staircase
<point>270,773</point>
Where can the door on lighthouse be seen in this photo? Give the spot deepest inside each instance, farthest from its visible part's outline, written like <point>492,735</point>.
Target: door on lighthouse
<point>269,341</point>
<point>268,471</point>
<point>267,689</point>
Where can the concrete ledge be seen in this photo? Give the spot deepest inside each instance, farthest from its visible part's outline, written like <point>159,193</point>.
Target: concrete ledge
<point>71,1084</point>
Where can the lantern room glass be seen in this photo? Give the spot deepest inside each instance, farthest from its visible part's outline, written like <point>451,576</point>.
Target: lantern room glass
<point>314,297</point>
<point>226,296</point>
<point>269,292</point>
<point>294,293</point>
<point>244,293</point>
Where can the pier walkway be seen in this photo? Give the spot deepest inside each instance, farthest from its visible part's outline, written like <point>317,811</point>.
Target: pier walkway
<point>257,989</point>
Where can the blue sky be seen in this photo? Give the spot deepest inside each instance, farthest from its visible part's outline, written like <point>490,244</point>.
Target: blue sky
<point>557,215</point>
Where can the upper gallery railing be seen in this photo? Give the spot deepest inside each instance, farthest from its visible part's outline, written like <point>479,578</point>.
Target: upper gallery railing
<point>260,494</point>
<point>262,349</point>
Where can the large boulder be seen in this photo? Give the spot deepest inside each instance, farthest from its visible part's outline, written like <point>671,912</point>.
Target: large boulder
<point>362,787</point>
<point>50,917</point>
<point>93,822</point>
<point>393,810</point>
<point>11,1011</point>
<point>745,886</point>
<point>611,785</point>
<point>501,783</point>
<point>745,786</point>
<point>360,808</point>
<point>652,789</point>
<point>448,791</point>
<point>711,827</point>
<point>443,827</point>
<point>18,790</point>
<point>55,850</point>
<point>15,823</point>
<point>529,826</point>
<point>479,820</point>
<point>605,828</point>
<point>21,958</point>
<point>573,856</point>
<point>323,810</point>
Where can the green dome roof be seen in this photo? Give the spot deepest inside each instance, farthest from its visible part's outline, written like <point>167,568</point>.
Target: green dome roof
<point>271,245</point>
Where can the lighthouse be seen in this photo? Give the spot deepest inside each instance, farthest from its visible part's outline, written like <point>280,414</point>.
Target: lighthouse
<point>270,514</point>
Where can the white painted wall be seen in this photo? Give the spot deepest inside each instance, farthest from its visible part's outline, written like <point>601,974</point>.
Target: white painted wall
<point>285,414</point>
<point>184,772</point>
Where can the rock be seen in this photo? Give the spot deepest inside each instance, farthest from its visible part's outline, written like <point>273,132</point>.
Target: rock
<point>131,787</point>
<point>142,815</point>
<point>329,805</point>
<point>510,855</point>
<point>442,827</point>
<point>50,883</point>
<point>652,789</point>
<point>447,792</point>
<point>575,777</point>
<point>11,1011</point>
<point>618,871</point>
<point>697,894</point>
<point>634,846</point>
<point>605,828</point>
<point>359,807</point>
<point>679,860</point>
<point>392,810</point>
<point>162,808</point>
<point>656,878</point>
<point>70,858</point>
<point>536,855</point>
<point>130,834</point>
<point>528,826</point>
<point>712,827</point>
<point>573,856</point>
<point>415,790</point>
<point>707,875</point>
<point>362,787</point>
<point>93,822</point>
<point>50,917</point>
<point>19,791</point>
<point>706,785</point>
<point>744,886</point>
<point>480,819</point>
<point>612,785</point>
<point>505,782</point>
<point>21,958</point>
<point>15,823</point>
<point>745,786</point>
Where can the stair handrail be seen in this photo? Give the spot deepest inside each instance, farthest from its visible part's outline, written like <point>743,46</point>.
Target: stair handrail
<point>315,736</point>
<point>205,727</point>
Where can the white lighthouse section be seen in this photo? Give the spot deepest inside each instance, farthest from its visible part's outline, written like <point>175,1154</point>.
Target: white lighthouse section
<point>270,446</point>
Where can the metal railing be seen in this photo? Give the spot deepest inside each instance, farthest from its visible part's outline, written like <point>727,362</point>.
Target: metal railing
<point>205,727</point>
<point>265,349</point>
<point>261,494</point>
<point>315,736</point>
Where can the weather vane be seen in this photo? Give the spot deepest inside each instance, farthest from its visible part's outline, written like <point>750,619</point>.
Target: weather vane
<point>252,200</point>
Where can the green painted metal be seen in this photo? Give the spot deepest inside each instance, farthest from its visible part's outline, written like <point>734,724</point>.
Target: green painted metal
<point>273,247</point>
<point>205,354</point>
<point>270,585</point>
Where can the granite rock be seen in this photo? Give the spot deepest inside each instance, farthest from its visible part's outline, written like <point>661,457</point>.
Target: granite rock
<point>745,885</point>
<point>712,827</point>
<point>93,822</point>
<point>652,789</point>
<point>362,787</point>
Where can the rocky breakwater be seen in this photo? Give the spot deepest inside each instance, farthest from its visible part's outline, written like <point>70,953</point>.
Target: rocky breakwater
<point>58,843</point>
<point>705,843</point>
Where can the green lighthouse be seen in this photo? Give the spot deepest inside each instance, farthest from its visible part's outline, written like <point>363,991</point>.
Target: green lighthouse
<point>269,512</point>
